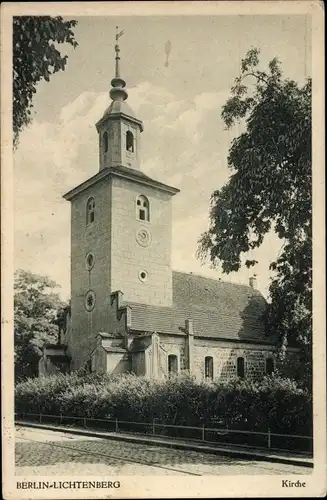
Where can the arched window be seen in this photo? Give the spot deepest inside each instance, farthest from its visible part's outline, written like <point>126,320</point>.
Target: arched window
<point>208,367</point>
<point>105,141</point>
<point>90,210</point>
<point>240,367</point>
<point>269,366</point>
<point>143,208</point>
<point>129,141</point>
<point>172,364</point>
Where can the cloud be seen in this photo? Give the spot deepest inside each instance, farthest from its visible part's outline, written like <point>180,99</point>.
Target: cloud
<point>184,144</point>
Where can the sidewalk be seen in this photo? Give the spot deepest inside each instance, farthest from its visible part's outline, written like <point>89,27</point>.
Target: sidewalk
<point>278,456</point>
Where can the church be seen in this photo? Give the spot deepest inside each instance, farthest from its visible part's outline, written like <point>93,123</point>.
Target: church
<point>130,312</point>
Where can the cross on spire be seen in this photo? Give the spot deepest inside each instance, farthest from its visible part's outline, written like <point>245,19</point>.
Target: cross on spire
<point>117,50</point>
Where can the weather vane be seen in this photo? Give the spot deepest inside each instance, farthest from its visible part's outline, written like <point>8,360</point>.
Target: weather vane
<point>118,34</point>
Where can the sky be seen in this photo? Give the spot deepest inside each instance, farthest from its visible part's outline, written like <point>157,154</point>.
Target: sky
<point>184,142</point>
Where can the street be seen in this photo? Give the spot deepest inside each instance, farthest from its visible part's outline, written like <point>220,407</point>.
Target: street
<point>44,452</point>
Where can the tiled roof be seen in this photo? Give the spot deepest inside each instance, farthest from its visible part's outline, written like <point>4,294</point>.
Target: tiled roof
<point>218,309</point>
<point>121,171</point>
<point>137,174</point>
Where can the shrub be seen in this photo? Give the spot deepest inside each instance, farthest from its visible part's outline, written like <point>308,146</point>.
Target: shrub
<point>275,402</point>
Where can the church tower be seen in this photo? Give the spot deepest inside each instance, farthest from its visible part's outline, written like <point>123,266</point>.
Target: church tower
<point>121,228</point>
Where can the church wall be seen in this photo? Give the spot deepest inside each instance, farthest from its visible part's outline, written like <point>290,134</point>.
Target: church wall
<point>94,238</point>
<point>138,363</point>
<point>224,357</point>
<point>118,363</point>
<point>225,361</point>
<point>129,258</point>
<point>172,345</point>
<point>99,359</point>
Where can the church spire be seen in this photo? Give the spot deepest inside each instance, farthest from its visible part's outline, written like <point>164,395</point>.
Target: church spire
<point>119,129</point>
<point>118,92</point>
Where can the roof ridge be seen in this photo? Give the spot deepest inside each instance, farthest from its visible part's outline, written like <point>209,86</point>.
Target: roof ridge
<point>217,280</point>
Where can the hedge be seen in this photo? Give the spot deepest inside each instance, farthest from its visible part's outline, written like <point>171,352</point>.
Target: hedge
<point>276,403</point>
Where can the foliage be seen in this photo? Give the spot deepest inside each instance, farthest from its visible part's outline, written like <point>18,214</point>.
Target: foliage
<point>35,58</point>
<point>269,190</point>
<point>37,310</point>
<point>275,402</point>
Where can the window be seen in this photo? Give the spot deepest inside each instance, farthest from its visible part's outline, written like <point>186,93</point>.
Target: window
<point>269,366</point>
<point>172,364</point>
<point>89,261</point>
<point>129,141</point>
<point>240,367</point>
<point>90,208</point>
<point>105,141</point>
<point>208,367</point>
<point>143,208</point>
<point>89,302</point>
<point>143,276</point>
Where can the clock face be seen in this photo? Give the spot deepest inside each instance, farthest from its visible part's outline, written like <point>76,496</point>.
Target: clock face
<point>143,237</point>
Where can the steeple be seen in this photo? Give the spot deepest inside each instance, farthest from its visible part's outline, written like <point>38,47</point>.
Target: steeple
<point>118,92</point>
<point>119,130</point>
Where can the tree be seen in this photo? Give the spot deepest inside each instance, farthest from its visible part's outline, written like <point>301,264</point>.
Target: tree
<point>37,313</point>
<point>35,57</point>
<point>269,189</point>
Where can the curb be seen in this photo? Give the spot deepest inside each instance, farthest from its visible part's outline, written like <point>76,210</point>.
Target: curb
<point>176,445</point>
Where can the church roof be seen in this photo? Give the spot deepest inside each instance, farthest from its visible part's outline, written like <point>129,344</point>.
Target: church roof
<point>219,310</point>
<point>139,175</point>
<point>119,107</point>
<point>120,171</point>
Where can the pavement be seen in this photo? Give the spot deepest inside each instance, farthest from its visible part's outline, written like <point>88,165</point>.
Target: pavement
<point>237,452</point>
<point>45,452</point>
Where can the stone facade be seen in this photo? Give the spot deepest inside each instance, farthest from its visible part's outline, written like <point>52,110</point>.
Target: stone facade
<point>118,257</point>
<point>224,354</point>
<point>225,357</point>
<point>92,238</point>
<point>128,258</point>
